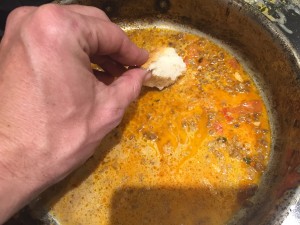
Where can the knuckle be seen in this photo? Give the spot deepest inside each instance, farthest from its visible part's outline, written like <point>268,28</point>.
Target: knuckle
<point>98,13</point>
<point>113,114</point>
<point>135,84</point>
<point>117,118</point>
<point>16,15</point>
<point>50,10</point>
<point>49,18</point>
<point>47,23</point>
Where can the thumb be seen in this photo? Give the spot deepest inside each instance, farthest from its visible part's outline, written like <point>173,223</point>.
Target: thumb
<point>113,99</point>
<point>127,87</point>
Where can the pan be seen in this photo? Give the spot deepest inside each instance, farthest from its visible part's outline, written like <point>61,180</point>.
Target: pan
<point>265,49</point>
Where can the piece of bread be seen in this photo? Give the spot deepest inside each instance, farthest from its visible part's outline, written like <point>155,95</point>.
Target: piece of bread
<point>166,66</point>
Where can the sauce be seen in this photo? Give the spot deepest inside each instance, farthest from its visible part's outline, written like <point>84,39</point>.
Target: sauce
<point>191,154</point>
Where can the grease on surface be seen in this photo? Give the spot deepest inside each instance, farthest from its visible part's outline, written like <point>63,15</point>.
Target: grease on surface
<point>191,154</point>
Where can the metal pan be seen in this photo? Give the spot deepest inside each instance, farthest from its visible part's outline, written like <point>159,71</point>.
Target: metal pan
<point>267,51</point>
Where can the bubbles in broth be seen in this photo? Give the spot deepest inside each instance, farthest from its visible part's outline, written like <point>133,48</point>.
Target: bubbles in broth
<point>191,154</point>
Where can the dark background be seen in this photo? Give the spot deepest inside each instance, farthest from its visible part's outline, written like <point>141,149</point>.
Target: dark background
<point>6,6</point>
<point>293,23</point>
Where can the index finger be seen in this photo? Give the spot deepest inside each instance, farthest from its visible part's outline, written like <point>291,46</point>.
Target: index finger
<point>101,37</point>
<point>87,10</point>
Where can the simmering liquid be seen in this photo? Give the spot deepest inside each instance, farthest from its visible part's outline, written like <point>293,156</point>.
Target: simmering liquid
<point>192,154</point>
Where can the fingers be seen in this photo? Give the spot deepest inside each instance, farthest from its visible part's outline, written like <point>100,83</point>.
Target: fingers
<point>19,13</point>
<point>110,66</point>
<point>96,34</point>
<point>104,77</point>
<point>126,88</point>
<point>106,38</point>
<point>109,38</point>
<point>87,11</point>
<point>139,56</point>
<point>113,99</point>
<point>17,16</point>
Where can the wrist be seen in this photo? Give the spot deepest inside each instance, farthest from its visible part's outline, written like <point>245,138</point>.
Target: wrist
<point>12,198</point>
<point>15,190</point>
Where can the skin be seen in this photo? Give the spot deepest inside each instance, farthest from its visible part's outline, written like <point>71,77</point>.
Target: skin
<point>54,111</point>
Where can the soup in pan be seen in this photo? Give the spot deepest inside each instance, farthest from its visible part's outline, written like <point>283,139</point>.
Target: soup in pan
<point>191,154</point>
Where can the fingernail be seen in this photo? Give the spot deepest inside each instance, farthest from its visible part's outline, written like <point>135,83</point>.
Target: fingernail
<point>145,52</point>
<point>148,75</point>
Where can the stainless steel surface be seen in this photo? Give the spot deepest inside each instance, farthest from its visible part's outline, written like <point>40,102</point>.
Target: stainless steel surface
<point>285,14</point>
<point>293,217</point>
<point>288,19</point>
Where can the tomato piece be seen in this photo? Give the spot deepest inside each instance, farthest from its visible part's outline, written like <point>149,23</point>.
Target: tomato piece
<point>254,106</point>
<point>218,128</point>
<point>227,114</point>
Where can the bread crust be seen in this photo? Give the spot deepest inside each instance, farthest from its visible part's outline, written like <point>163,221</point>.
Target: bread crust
<point>166,67</point>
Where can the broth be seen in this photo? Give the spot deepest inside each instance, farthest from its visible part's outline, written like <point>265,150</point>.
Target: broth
<point>191,154</point>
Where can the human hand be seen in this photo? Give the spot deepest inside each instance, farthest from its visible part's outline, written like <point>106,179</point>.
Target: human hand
<point>54,111</point>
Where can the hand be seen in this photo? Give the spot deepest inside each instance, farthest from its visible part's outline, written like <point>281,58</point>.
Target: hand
<point>54,111</point>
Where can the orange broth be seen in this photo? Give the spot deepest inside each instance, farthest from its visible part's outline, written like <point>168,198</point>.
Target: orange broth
<point>191,154</point>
